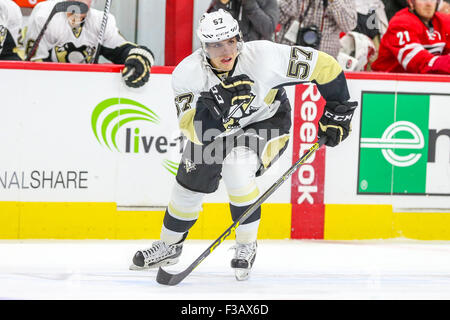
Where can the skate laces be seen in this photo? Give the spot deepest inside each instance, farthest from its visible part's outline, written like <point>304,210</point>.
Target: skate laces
<point>158,250</point>
<point>244,251</point>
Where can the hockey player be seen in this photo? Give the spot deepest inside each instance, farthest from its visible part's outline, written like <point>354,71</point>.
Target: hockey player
<point>233,110</point>
<point>72,38</point>
<point>10,26</point>
<point>416,41</point>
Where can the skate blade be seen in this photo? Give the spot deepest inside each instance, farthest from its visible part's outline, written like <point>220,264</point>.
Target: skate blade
<point>242,274</point>
<point>170,262</point>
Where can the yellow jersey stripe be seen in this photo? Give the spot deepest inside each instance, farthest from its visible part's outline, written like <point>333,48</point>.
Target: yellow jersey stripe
<point>327,69</point>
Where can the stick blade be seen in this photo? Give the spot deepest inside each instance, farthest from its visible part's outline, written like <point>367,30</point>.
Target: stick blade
<point>170,279</point>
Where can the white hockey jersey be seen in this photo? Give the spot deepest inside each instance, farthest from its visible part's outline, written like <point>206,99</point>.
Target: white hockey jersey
<point>270,65</point>
<point>10,22</point>
<point>62,43</point>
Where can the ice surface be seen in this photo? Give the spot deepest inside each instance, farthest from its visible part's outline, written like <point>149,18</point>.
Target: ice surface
<point>284,269</point>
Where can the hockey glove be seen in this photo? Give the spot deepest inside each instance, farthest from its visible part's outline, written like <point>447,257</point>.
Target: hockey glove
<point>137,67</point>
<point>439,64</point>
<point>335,121</point>
<point>221,97</point>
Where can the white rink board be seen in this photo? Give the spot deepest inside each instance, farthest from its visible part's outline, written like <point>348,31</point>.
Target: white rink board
<point>47,130</point>
<point>440,120</point>
<point>48,143</point>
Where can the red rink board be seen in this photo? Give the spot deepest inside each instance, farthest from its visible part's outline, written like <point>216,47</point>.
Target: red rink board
<point>307,183</point>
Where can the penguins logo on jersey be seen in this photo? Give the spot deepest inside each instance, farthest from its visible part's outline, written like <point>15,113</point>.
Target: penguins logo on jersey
<point>71,54</point>
<point>238,111</point>
<point>189,165</point>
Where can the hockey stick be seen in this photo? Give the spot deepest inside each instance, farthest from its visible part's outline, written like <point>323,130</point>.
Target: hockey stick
<point>171,279</point>
<point>102,31</point>
<point>74,7</point>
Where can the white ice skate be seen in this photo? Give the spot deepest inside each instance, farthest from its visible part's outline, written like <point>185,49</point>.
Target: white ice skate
<point>160,254</point>
<point>243,260</point>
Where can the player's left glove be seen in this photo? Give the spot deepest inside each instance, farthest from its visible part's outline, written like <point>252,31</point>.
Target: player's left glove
<point>137,67</point>
<point>335,121</point>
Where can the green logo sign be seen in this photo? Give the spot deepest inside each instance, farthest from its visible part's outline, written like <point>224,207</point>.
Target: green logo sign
<point>388,144</point>
<point>127,118</point>
<point>399,134</point>
<point>114,117</point>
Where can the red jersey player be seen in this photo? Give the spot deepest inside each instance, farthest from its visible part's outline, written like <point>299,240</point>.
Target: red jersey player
<point>417,40</point>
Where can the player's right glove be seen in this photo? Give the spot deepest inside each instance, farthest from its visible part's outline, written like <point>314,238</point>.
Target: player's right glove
<point>222,96</point>
<point>335,121</point>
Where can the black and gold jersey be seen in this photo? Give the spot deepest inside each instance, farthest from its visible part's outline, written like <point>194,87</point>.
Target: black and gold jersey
<point>271,66</point>
<point>63,43</point>
<point>10,26</point>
